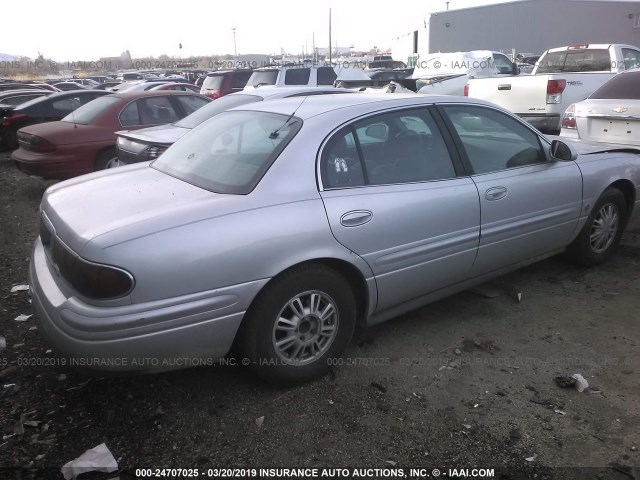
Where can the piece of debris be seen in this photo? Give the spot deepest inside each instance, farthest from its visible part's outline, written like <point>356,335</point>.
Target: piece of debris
<point>7,372</point>
<point>457,351</point>
<point>97,459</point>
<point>3,343</point>
<point>560,412</point>
<point>442,368</point>
<point>486,290</point>
<point>466,426</point>
<point>62,377</point>
<point>22,317</point>
<point>565,382</point>
<point>532,458</point>
<point>18,427</point>
<point>33,328</point>
<point>19,288</point>
<point>378,386</point>
<point>331,402</point>
<point>476,405</point>
<point>31,423</point>
<point>260,421</point>
<point>581,382</point>
<point>391,463</point>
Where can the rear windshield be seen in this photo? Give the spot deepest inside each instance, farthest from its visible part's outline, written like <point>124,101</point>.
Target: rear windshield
<point>231,152</point>
<point>214,108</point>
<point>213,82</point>
<point>625,86</point>
<point>589,60</point>
<point>264,77</point>
<point>87,112</point>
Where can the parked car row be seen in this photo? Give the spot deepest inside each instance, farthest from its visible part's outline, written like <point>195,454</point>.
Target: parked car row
<point>84,140</point>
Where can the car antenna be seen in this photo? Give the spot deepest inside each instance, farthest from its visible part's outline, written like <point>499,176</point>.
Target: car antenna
<point>73,119</point>
<point>273,135</point>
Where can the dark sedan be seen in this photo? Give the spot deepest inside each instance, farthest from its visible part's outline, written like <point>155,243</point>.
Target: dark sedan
<point>40,110</point>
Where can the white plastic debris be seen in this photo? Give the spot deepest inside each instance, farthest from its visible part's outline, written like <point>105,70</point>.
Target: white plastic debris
<point>97,459</point>
<point>19,288</point>
<point>22,317</point>
<point>259,421</point>
<point>581,382</point>
<point>531,458</point>
<point>3,343</point>
<point>560,412</point>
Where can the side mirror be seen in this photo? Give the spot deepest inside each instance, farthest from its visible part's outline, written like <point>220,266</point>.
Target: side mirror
<point>563,152</point>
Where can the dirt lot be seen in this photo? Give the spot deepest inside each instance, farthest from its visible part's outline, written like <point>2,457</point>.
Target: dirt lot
<point>466,382</point>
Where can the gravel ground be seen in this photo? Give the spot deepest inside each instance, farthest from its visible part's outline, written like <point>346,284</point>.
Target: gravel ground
<point>465,382</point>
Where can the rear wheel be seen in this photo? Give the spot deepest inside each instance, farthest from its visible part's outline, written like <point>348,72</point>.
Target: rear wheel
<point>106,159</point>
<point>298,324</point>
<point>601,234</point>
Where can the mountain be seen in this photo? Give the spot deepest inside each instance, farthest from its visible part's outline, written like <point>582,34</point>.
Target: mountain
<point>5,57</point>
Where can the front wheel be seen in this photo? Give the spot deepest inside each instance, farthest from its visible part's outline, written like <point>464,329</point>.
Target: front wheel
<point>297,325</point>
<point>601,234</point>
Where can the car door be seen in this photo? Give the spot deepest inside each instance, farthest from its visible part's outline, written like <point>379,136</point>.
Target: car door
<point>393,197</point>
<point>529,204</point>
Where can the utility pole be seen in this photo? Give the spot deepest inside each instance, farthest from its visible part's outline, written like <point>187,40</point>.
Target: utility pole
<point>447,6</point>
<point>329,35</point>
<point>235,48</point>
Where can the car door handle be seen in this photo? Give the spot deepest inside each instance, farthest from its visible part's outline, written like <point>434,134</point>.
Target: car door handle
<point>356,218</point>
<point>495,193</point>
<point>504,86</point>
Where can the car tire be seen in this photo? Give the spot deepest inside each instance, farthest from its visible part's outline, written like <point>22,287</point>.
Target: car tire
<point>602,231</point>
<point>106,159</point>
<point>282,339</point>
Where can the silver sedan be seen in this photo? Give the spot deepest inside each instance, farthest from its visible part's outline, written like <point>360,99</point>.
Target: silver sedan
<point>281,226</point>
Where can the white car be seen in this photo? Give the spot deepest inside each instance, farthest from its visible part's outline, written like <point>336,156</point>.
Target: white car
<point>611,114</point>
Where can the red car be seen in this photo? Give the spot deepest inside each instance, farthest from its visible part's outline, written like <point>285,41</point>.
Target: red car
<point>178,87</point>
<point>84,141</point>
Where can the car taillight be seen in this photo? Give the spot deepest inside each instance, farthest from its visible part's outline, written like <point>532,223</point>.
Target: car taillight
<point>92,280</point>
<point>466,90</point>
<point>569,118</point>
<point>7,121</point>
<point>554,91</point>
<point>35,143</point>
<point>153,152</point>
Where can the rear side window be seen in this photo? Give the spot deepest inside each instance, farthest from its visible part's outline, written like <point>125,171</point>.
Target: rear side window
<point>326,76</point>
<point>585,60</point>
<point>156,110</point>
<point>297,76</point>
<point>625,86</point>
<point>392,148</point>
<point>239,79</point>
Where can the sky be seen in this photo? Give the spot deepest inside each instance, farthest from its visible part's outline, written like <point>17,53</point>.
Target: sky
<point>147,28</point>
<point>152,28</point>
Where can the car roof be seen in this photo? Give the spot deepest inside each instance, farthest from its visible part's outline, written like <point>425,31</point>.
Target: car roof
<point>312,106</point>
<point>287,91</point>
<point>152,93</point>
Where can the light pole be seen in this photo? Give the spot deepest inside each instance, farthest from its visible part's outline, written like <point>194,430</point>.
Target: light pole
<point>235,47</point>
<point>447,6</point>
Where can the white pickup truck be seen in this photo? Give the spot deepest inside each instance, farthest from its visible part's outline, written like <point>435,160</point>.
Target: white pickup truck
<point>562,76</point>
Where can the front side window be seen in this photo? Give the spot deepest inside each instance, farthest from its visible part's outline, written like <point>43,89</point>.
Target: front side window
<point>395,147</point>
<point>631,58</point>
<point>231,152</point>
<point>492,140</point>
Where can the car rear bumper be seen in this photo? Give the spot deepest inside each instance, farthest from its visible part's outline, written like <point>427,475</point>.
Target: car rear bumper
<point>59,165</point>
<point>154,336</point>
